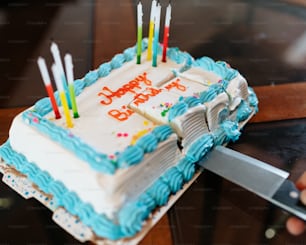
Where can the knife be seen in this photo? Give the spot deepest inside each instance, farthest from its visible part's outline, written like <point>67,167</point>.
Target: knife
<point>256,176</point>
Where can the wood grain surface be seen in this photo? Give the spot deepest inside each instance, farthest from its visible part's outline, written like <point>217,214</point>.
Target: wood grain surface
<point>281,102</point>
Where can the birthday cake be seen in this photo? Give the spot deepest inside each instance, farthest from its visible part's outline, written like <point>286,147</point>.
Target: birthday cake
<point>139,133</point>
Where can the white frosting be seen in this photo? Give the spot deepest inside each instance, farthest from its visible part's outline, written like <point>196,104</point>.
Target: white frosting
<point>95,126</point>
<point>191,125</point>
<point>109,126</point>
<point>153,107</point>
<point>105,192</point>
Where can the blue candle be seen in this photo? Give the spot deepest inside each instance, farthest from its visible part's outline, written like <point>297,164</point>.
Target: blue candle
<point>156,35</point>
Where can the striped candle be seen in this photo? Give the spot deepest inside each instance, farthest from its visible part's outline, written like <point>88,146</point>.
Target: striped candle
<point>166,32</point>
<point>151,29</point>
<point>47,81</point>
<point>58,61</point>
<point>59,84</point>
<point>156,35</point>
<point>70,79</point>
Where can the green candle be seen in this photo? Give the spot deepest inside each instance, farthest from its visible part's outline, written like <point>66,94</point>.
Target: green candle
<point>69,71</point>
<point>139,32</point>
<point>73,101</point>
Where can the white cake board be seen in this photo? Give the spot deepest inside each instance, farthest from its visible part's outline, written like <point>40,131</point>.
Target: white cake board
<point>23,186</point>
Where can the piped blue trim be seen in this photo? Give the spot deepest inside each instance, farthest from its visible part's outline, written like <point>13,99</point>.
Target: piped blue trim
<point>220,67</point>
<point>186,103</point>
<point>243,111</point>
<point>99,161</point>
<point>61,195</point>
<point>253,99</point>
<point>131,216</point>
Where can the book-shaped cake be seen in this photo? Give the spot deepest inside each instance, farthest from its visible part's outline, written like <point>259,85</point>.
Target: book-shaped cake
<point>139,132</point>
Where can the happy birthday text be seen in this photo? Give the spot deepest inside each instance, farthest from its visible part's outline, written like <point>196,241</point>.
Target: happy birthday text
<point>141,82</point>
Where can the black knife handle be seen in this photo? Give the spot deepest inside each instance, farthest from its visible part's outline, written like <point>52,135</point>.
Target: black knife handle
<point>288,197</point>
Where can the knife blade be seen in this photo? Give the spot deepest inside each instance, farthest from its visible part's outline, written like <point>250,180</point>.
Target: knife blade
<point>256,176</point>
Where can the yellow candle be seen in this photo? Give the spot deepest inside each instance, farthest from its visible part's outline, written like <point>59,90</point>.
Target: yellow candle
<point>66,109</point>
<point>151,30</point>
<point>60,88</point>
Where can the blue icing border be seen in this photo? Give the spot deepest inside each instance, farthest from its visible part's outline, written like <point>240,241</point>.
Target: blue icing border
<point>220,67</point>
<point>62,196</point>
<point>243,111</point>
<point>253,100</point>
<point>132,154</point>
<point>174,178</point>
<point>98,161</point>
<point>186,103</point>
<point>131,216</point>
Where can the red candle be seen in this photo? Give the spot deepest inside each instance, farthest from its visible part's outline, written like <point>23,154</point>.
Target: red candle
<point>46,79</point>
<point>166,33</point>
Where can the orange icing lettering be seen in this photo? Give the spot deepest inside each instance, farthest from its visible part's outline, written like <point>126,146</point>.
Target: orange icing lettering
<point>142,98</point>
<point>107,96</point>
<point>143,78</point>
<point>121,115</point>
<point>129,87</point>
<point>176,84</point>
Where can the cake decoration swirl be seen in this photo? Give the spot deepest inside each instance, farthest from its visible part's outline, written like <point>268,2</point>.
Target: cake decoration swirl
<point>91,77</point>
<point>106,68</point>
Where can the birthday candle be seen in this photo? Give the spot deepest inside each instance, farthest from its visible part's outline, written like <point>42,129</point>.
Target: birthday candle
<point>69,72</point>
<point>58,61</point>
<point>166,32</point>
<point>139,31</point>
<point>151,29</point>
<point>156,35</point>
<point>60,88</point>
<point>47,81</point>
